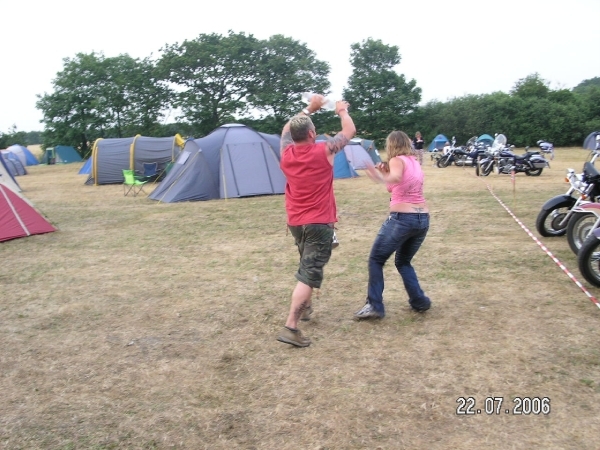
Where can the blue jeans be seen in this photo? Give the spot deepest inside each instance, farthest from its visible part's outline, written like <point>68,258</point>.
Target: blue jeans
<point>402,233</point>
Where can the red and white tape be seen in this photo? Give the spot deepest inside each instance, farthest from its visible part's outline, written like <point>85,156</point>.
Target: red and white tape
<point>545,249</point>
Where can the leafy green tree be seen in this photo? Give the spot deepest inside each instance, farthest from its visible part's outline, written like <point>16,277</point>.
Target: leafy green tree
<point>285,68</point>
<point>381,99</point>
<point>97,97</point>
<point>132,98</point>
<point>214,75</point>
<point>13,137</point>
<point>587,84</point>
<point>70,113</point>
<point>531,86</point>
<point>588,94</point>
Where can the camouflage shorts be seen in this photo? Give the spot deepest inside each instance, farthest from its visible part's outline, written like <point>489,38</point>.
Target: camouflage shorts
<point>314,245</point>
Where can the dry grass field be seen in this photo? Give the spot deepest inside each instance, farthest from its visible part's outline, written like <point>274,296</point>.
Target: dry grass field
<point>140,325</point>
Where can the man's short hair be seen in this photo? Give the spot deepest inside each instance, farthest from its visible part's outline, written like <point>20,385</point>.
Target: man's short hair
<point>300,125</point>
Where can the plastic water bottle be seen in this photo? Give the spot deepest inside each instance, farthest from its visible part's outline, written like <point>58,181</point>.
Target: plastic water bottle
<point>328,103</point>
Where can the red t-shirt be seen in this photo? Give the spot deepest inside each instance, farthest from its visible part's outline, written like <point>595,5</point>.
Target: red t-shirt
<point>309,189</point>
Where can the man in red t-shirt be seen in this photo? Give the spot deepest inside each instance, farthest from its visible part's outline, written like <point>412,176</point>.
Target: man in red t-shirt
<point>310,205</point>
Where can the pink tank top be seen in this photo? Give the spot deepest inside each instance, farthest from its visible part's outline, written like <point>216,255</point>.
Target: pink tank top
<point>410,188</point>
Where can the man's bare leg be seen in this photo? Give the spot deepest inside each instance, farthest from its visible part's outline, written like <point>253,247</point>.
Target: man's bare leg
<point>301,300</point>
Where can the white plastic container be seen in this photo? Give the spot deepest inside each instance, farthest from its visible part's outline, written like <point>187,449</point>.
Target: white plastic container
<point>328,103</point>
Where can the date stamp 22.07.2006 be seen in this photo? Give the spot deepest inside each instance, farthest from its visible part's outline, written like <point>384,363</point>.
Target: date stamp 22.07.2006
<point>468,406</point>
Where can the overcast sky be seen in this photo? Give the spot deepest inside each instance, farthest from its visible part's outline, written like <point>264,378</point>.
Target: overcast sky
<point>451,48</point>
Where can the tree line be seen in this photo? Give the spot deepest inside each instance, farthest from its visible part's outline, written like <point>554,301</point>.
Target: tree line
<point>216,79</point>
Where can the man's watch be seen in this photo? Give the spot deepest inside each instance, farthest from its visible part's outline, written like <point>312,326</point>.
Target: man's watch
<point>306,111</point>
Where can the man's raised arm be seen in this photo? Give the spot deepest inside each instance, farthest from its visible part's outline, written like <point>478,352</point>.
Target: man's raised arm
<point>348,129</point>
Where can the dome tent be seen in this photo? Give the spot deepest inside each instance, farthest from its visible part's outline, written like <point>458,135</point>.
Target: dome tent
<point>234,160</point>
<point>24,154</point>
<point>61,154</point>
<point>485,139</point>
<point>438,143</point>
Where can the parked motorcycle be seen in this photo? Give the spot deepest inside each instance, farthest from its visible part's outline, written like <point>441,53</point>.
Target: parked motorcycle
<point>546,148</point>
<point>585,219</point>
<point>531,163</point>
<point>588,258</point>
<point>555,214</point>
<point>491,156</point>
<point>453,155</point>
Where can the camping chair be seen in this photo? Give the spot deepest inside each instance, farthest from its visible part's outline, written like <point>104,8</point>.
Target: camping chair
<point>150,172</point>
<point>132,183</point>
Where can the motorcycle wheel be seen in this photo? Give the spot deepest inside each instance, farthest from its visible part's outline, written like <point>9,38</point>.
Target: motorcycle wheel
<point>534,172</point>
<point>443,162</point>
<point>588,260</point>
<point>579,227</point>
<point>483,170</point>
<point>547,222</point>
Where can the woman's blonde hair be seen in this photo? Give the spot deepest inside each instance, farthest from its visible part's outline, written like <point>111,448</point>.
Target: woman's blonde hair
<point>398,143</point>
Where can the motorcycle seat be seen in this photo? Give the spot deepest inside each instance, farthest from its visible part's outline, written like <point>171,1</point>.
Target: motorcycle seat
<point>528,154</point>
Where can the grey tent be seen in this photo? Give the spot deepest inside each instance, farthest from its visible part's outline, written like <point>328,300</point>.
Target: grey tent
<point>357,155</point>
<point>369,146</point>
<point>111,156</point>
<point>13,163</point>
<point>232,161</point>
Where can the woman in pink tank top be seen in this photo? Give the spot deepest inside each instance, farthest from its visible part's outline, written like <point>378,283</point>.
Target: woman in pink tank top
<point>404,229</point>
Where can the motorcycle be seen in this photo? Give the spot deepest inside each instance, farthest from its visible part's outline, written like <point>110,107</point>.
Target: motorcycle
<point>553,218</point>
<point>452,155</point>
<point>546,148</point>
<point>588,258</point>
<point>585,219</point>
<point>531,162</point>
<point>491,157</point>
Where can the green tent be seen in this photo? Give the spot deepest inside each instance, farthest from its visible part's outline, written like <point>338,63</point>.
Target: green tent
<point>61,154</point>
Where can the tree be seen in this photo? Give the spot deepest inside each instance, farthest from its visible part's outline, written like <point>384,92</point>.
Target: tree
<point>214,75</point>
<point>70,113</point>
<point>132,96</point>
<point>586,84</point>
<point>97,97</point>
<point>285,69</point>
<point>531,86</point>
<point>13,137</point>
<point>381,97</point>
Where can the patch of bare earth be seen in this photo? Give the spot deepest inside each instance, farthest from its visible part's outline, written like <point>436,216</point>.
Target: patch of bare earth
<point>146,325</point>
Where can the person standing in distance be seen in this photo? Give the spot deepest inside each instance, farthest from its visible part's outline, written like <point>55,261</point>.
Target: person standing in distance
<point>418,146</point>
<point>310,205</point>
<point>403,231</point>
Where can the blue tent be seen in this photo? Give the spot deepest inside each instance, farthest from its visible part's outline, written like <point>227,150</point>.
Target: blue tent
<point>438,142</point>
<point>486,139</point>
<point>13,163</point>
<point>7,177</point>
<point>30,159</point>
<point>86,169</point>
<point>342,168</point>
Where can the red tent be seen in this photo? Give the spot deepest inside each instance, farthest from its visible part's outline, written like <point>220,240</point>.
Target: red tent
<point>18,218</point>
